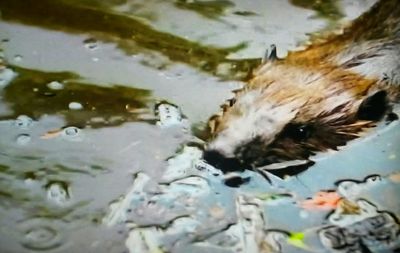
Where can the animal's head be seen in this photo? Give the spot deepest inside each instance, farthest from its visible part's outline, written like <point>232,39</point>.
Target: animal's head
<point>290,113</point>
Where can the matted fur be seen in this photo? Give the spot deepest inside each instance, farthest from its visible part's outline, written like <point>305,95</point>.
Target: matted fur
<point>317,99</point>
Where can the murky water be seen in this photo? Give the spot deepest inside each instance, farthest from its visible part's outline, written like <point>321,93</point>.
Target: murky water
<point>100,106</point>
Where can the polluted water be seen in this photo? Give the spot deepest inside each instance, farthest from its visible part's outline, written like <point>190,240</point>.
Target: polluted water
<point>104,109</point>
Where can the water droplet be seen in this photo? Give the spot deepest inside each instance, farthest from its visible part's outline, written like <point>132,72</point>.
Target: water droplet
<point>91,44</point>
<point>95,59</point>
<point>18,58</point>
<point>75,106</point>
<point>23,139</point>
<point>71,131</point>
<point>58,192</point>
<point>23,122</point>
<point>55,85</point>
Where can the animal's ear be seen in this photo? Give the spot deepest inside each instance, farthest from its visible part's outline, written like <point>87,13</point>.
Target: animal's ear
<point>373,107</point>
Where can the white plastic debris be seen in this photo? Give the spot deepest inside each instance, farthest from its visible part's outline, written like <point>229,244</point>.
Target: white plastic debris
<point>169,115</point>
<point>117,214</point>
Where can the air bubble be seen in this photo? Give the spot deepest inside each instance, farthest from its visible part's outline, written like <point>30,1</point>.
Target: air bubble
<point>23,139</point>
<point>55,85</point>
<point>72,134</point>
<point>23,122</point>
<point>71,131</point>
<point>75,106</point>
<point>18,58</point>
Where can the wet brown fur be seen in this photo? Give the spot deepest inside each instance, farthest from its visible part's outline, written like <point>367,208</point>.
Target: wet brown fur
<point>307,78</point>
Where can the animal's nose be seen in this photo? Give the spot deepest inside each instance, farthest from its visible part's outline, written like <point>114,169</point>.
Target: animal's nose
<point>219,161</point>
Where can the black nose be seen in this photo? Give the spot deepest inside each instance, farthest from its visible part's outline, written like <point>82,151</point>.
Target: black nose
<point>221,162</point>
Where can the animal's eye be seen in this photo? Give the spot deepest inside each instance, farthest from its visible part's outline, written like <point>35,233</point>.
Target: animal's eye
<point>298,132</point>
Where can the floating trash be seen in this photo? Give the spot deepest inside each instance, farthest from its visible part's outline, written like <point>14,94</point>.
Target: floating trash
<point>321,201</point>
<point>144,240</point>
<point>274,240</point>
<point>186,163</point>
<point>370,228</point>
<point>117,212</point>
<point>6,76</point>
<point>169,115</point>
<point>23,122</point>
<point>23,139</point>
<point>75,106</point>
<point>55,85</point>
<point>351,189</point>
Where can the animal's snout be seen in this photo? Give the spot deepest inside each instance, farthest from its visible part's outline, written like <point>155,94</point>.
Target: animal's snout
<point>219,161</point>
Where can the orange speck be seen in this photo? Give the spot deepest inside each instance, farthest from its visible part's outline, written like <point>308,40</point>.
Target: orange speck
<point>51,134</point>
<point>322,201</point>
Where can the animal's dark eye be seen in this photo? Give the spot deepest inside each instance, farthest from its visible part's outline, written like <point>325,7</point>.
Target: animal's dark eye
<point>298,132</point>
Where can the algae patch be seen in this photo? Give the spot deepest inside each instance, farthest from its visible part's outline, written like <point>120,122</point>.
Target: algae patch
<point>32,93</point>
<point>208,9</point>
<point>329,9</point>
<point>128,33</point>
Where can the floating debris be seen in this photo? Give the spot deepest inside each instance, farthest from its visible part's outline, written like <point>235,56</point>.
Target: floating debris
<point>144,240</point>
<point>351,189</point>
<point>51,134</point>
<point>168,115</point>
<point>297,240</point>
<point>370,228</point>
<point>322,201</point>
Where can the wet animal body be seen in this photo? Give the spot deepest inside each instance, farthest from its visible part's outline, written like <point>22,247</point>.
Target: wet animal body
<point>313,100</point>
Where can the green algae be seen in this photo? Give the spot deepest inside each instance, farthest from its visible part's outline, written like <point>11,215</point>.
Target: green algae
<point>329,9</point>
<point>127,32</point>
<point>30,95</point>
<point>209,9</point>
